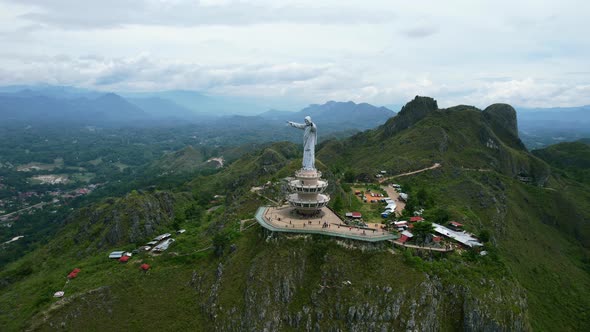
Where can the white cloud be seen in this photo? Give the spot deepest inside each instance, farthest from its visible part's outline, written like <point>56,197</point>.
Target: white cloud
<point>530,53</point>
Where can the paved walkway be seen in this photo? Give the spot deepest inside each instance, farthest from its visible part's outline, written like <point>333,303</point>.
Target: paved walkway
<point>327,223</point>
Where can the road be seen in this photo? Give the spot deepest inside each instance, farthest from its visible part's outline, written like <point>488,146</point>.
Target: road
<point>436,165</point>
<point>393,194</point>
<point>38,205</point>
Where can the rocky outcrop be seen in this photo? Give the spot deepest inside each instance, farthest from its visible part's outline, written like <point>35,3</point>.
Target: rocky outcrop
<point>411,113</point>
<point>133,218</point>
<point>502,119</point>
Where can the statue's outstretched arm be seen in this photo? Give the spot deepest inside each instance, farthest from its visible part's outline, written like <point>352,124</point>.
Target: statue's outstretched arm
<point>296,125</point>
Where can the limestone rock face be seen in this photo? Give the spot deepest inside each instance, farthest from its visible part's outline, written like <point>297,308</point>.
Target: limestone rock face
<point>502,120</point>
<point>412,112</point>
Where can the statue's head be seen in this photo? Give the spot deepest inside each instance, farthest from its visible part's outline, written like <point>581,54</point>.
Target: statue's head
<point>308,120</point>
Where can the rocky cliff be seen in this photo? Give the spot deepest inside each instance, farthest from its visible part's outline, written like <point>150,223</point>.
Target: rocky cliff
<point>502,120</point>
<point>411,113</point>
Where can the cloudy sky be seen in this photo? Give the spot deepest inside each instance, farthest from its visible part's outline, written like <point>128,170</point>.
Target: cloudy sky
<point>527,53</point>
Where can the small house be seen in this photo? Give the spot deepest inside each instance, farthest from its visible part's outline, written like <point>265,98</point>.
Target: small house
<point>356,215</point>
<point>180,231</point>
<point>456,226</point>
<point>403,239</point>
<point>416,219</point>
<point>116,254</point>
<point>408,234</point>
<point>162,237</point>
<point>400,224</point>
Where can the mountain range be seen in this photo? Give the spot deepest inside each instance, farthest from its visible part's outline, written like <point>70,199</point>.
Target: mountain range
<point>23,105</point>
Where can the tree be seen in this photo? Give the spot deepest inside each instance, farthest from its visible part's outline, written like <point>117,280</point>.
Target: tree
<point>349,176</point>
<point>439,215</point>
<point>484,235</point>
<point>338,205</point>
<point>422,231</point>
<point>220,241</point>
<point>422,196</point>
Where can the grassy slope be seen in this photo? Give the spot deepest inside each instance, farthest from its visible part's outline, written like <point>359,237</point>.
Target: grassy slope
<point>530,226</point>
<point>572,158</point>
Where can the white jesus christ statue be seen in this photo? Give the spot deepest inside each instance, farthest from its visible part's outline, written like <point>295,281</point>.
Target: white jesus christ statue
<point>309,141</point>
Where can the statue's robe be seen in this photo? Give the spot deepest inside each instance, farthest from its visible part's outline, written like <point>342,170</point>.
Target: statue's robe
<point>309,141</point>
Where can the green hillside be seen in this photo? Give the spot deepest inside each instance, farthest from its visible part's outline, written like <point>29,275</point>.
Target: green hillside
<point>573,158</point>
<point>536,275</point>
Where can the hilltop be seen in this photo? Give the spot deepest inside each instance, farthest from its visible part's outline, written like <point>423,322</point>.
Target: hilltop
<point>216,277</point>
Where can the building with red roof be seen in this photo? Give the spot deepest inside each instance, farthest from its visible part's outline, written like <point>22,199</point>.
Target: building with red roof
<point>403,239</point>
<point>455,225</point>
<point>416,219</point>
<point>124,259</point>
<point>356,215</point>
<point>145,267</point>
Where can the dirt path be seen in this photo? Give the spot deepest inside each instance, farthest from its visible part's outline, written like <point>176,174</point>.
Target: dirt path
<point>421,248</point>
<point>477,169</point>
<point>436,165</point>
<point>257,190</point>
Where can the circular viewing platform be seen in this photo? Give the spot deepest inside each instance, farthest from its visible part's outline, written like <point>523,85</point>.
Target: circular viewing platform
<point>308,174</point>
<point>299,187</point>
<point>318,202</point>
